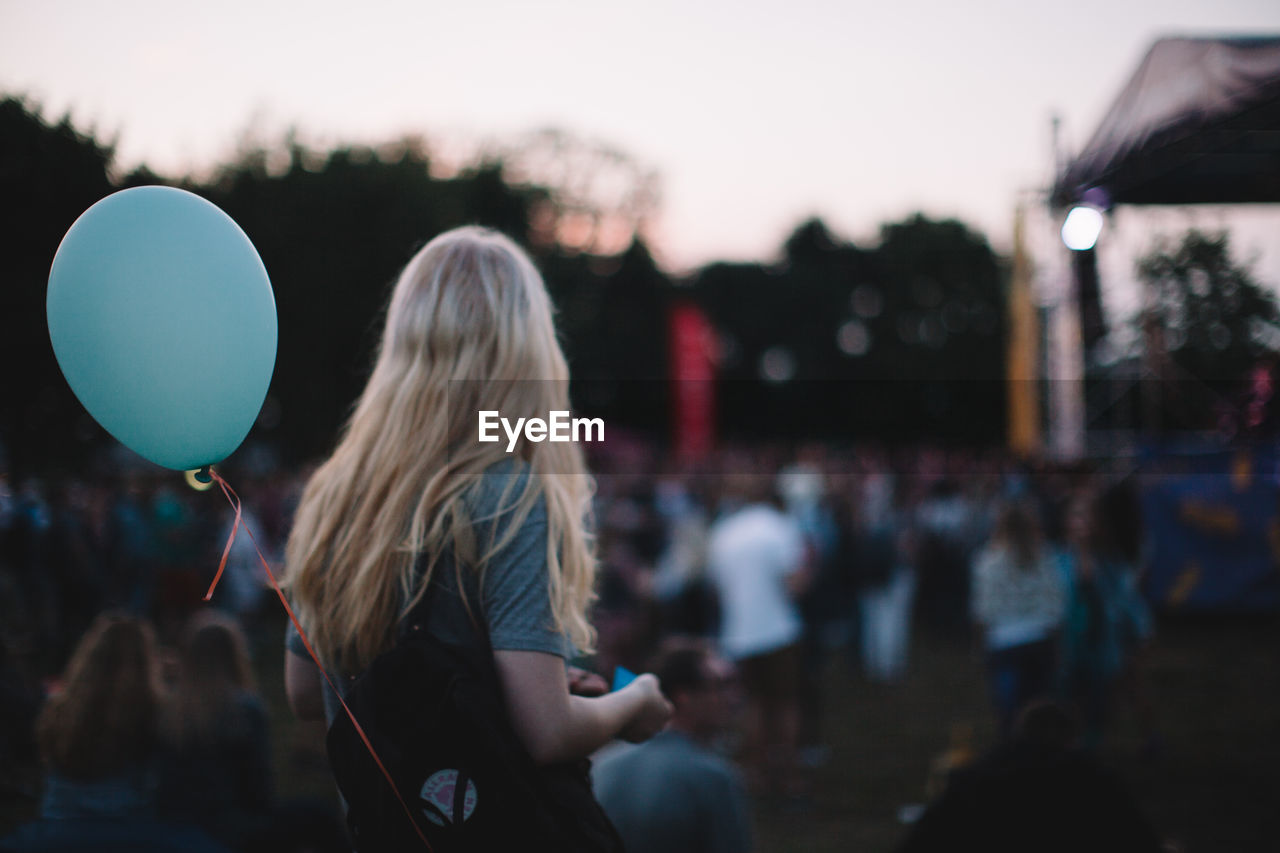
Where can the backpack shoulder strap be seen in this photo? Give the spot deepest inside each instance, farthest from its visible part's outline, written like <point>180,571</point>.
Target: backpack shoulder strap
<point>461,621</point>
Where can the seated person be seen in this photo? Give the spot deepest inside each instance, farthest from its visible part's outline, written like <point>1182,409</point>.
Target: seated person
<point>99,738</point>
<point>217,768</point>
<point>674,793</point>
<point>1038,791</point>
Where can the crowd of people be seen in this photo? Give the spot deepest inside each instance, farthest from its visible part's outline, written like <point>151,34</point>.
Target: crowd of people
<point>824,548</point>
<point>143,751</point>
<point>778,557</point>
<point>133,538</point>
<point>130,705</point>
<point>772,557</point>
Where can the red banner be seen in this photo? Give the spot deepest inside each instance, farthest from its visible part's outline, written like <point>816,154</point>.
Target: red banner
<point>693,345</point>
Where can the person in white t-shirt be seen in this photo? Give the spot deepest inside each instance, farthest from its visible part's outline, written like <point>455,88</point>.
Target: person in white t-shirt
<point>756,560</point>
<point>1019,599</point>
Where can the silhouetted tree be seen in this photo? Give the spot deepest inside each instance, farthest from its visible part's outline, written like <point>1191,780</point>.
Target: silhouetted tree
<point>903,341</point>
<point>1207,325</point>
<point>942,323</point>
<point>49,175</point>
<point>834,341</point>
<point>593,197</point>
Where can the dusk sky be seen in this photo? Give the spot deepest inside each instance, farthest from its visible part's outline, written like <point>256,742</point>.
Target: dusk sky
<point>754,115</point>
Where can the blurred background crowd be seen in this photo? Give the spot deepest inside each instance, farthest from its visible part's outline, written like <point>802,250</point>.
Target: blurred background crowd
<point>1032,570</point>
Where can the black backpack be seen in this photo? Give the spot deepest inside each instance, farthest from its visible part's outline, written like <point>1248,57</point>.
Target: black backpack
<point>434,713</point>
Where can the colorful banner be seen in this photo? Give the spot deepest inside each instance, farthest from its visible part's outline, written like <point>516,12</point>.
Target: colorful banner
<point>1023,349</point>
<point>693,376</point>
<point>1213,531</point>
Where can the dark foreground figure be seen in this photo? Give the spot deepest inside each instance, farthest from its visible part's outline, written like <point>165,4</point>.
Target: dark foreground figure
<point>1039,791</point>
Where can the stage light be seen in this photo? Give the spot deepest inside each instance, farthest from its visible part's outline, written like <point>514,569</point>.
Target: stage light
<point>1081,229</point>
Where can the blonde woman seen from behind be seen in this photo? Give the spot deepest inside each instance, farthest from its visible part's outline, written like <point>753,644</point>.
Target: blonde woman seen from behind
<point>410,499</point>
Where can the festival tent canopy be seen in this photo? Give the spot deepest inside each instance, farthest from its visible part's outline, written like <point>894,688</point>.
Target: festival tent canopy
<point>1199,123</point>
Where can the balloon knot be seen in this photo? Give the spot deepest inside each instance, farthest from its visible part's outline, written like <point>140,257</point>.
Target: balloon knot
<point>204,475</point>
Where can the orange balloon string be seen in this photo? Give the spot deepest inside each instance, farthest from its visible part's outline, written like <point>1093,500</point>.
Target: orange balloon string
<point>234,500</point>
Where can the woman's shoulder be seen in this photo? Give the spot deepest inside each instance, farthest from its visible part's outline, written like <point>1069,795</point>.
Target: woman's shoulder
<point>499,489</point>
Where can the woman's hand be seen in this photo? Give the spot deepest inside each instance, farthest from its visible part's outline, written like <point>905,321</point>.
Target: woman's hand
<point>554,725</point>
<point>652,712</point>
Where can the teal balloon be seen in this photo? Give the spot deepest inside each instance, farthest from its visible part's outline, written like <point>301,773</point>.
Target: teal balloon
<point>163,321</point>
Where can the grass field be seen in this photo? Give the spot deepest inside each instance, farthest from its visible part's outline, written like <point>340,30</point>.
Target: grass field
<point>1215,686</point>
<point>1216,691</point>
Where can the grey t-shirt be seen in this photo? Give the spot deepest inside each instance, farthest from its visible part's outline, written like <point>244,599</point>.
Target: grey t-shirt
<point>671,795</point>
<point>514,596</point>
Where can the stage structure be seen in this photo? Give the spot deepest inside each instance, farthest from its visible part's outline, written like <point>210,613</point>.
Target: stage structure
<point>1198,123</point>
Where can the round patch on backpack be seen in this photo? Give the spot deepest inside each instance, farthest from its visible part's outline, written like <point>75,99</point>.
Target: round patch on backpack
<point>441,791</point>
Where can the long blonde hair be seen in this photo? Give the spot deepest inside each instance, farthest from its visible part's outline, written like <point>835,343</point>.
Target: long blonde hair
<point>469,328</point>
